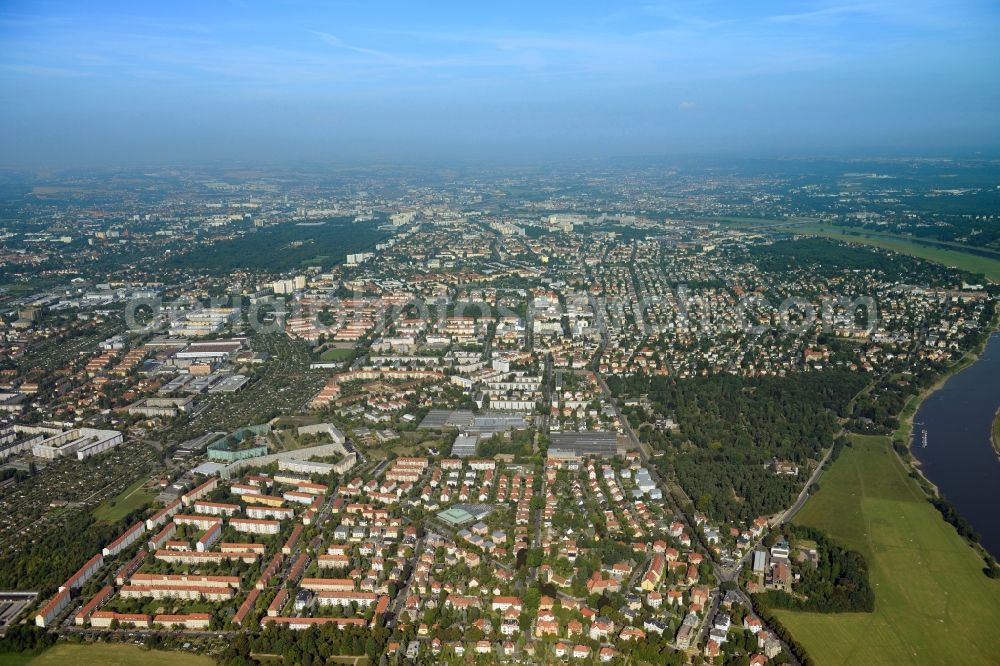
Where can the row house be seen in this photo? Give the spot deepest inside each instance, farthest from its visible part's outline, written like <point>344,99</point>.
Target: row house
<point>243,613</point>
<point>189,497</point>
<point>255,526</point>
<point>163,536</point>
<point>187,621</point>
<point>275,512</point>
<point>127,570</point>
<point>216,508</point>
<point>130,536</point>
<point>104,619</point>
<point>211,557</point>
<point>167,580</point>
<point>96,602</point>
<point>335,598</point>
<point>163,515</point>
<point>187,592</point>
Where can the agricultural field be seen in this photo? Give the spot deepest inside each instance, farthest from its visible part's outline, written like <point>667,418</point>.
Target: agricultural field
<point>97,654</point>
<point>933,603</point>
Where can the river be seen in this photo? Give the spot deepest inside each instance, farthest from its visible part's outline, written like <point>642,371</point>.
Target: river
<point>959,458</point>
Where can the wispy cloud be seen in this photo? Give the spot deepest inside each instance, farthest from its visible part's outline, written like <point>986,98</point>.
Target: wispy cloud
<point>934,15</point>
<point>335,41</point>
<point>822,13</point>
<point>47,72</point>
<point>655,44</point>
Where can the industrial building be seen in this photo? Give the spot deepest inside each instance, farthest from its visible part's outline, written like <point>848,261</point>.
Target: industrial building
<point>219,350</point>
<point>17,439</point>
<point>201,322</point>
<point>161,407</point>
<point>306,467</point>
<point>583,444</point>
<point>249,442</point>
<point>464,446</point>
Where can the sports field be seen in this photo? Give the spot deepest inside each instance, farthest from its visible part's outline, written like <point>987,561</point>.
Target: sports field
<point>109,654</point>
<point>127,501</point>
<point>933,604</point>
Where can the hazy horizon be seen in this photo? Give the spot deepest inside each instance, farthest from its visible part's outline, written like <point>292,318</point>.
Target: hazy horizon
<point>117,84</point>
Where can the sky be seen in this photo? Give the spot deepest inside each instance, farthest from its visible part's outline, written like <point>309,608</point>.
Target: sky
<point>143,83</point>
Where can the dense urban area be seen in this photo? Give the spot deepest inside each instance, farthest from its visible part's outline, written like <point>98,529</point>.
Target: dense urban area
<point>469,416</point>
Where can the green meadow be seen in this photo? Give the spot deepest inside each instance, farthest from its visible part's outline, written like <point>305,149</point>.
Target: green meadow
<point>128,500</point>
<point>955,258</point>
<point>106,654</point>
<point>933,603</point>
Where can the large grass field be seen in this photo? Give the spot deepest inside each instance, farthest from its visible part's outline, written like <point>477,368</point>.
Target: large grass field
<point>336,355</point>
<point>941,253</point>
<point>127,501</point>
<point>109,654</point>
<point>748,222</point>
<point>15,659</point>
<point>953,258</point>
<point>933,604</point>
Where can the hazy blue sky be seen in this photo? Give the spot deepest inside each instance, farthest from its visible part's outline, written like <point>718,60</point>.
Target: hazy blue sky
<point>148,82</point>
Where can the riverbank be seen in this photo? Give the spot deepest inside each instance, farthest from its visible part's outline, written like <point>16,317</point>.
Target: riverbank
<point>951,257</point>
<point>995,437</point>
<point>933,603</point>
<point>963,473</point>
<point>904,433</point>
<point>905,430</point>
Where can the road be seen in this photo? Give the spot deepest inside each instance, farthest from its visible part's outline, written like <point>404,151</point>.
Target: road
<point>397,603</point>
<point>723,575</point>
<point>708,620</point>
<point>536,537</point>
<point>804,493</point>
<point>732,573</point>
<point>150,632</point>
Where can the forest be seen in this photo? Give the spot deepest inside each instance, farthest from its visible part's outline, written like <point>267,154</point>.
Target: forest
<point>838,583</point>
<point>823,257</point>
<point>315,645</point>
<point>26,639</point>
<point>323,245</point>
<point>957,227</point>
<point>732,428</point>
<point>516,443</point>
<point>47,561</point>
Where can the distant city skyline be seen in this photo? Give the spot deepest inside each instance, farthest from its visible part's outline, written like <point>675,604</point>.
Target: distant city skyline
<point>110,84</point>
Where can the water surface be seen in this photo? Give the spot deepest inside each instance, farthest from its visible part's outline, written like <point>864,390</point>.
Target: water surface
<point>959,457</point>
